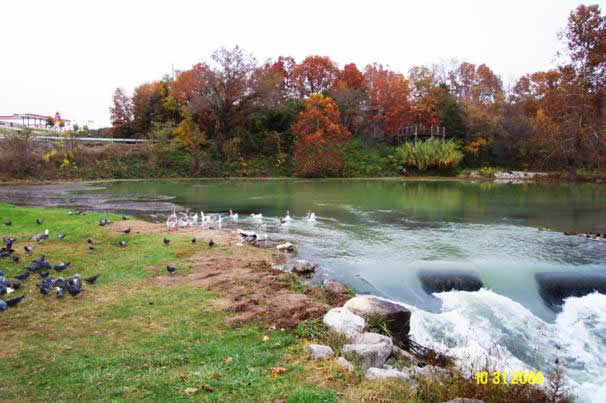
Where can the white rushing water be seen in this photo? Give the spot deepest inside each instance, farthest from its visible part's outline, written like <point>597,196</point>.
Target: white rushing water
<point>484,327</point>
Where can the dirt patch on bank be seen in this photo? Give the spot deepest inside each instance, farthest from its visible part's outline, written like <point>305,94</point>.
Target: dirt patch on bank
<point>252,288</point>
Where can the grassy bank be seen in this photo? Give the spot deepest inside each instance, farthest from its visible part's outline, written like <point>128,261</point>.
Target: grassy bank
<point>139,333</point>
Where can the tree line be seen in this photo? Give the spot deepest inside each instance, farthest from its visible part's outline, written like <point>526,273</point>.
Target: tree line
<point>308,110</point>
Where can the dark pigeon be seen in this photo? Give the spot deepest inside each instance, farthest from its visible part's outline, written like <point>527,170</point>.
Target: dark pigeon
<point>122,244</point>
<point>62,266</point>
<point>74,285</point>
<point>14,301</point>
<point>92,279</point>
<point>166,241</point>
<point>39,221</point>
<point>3,306</point>
<point>171,269</point>
<point>23,276</point>
<point>60,282</point>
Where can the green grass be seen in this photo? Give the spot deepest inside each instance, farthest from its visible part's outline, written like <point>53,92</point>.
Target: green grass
<point>126,338</point>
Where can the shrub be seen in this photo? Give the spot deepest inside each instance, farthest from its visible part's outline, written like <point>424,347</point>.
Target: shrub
<point>364,158</point>
<point>431,153</point>
<point>17,157</point>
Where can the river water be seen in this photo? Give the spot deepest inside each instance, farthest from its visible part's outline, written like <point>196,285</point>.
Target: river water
<point>376,235</point>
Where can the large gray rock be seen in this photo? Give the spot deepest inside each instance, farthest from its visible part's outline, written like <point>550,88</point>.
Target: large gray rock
<point>396,316</point>
<point>319,352</point>
<point>344,322</point>
<point>377,374</point>
<point>342,362</point>
<point>303,267</point>
<point>369,355</point>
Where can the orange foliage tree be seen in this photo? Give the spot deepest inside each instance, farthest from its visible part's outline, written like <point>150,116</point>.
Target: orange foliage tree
<point>315,74</point>
<point>350,94</point>
<point>319,138</point>
<point>389,100</point>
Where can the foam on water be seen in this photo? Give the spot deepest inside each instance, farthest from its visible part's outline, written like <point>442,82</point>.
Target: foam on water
<point>479,328</point>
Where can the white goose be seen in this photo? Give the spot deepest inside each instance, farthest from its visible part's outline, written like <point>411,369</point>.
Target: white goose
<point>311,217</point>
<point>258,217</point>
<point>171,221</point>
<point>287,218</point>
<point>233,216</point>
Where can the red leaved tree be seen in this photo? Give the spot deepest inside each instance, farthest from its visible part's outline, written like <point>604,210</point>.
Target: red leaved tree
<point>319,138</point>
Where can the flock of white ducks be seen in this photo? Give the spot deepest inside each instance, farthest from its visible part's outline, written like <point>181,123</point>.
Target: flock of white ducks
<point>185,220</point>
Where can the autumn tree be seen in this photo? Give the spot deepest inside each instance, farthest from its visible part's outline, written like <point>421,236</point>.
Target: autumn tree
<point>389,106</point>
<point>315,74</point>
<point>425,95</point>
<point>564,104</point>
<point>584,82</point>
<point>284,67</point>
<point>121,113</point>
<point>319,138</point>
<point>224,94</point>
<point>148,105</point>
<point>480,93</point>
<point>350,93</point>
<point>187,135</point>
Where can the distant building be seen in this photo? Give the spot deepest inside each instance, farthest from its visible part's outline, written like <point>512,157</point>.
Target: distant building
<point>33,120</point>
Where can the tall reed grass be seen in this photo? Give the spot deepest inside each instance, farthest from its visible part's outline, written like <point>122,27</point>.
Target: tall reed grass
<point>431,153</point>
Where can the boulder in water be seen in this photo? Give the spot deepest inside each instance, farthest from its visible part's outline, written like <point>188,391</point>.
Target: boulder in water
<point>554,287</point>
<point>396,317</point>
<point>449,280</point>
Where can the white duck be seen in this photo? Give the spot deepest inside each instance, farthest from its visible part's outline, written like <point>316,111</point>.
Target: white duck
<point>257,216</point>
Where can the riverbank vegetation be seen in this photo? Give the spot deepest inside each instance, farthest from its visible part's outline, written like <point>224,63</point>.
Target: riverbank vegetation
<point>139,333</point>
<point>233,116</point>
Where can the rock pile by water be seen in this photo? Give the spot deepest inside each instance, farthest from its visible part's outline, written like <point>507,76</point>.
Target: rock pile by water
<point>373,352</point>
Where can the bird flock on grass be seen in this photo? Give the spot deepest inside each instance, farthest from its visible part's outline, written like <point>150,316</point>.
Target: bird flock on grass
<point>41,268</point>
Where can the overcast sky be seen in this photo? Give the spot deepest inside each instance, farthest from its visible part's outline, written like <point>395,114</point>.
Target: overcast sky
<point>69,56</point>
